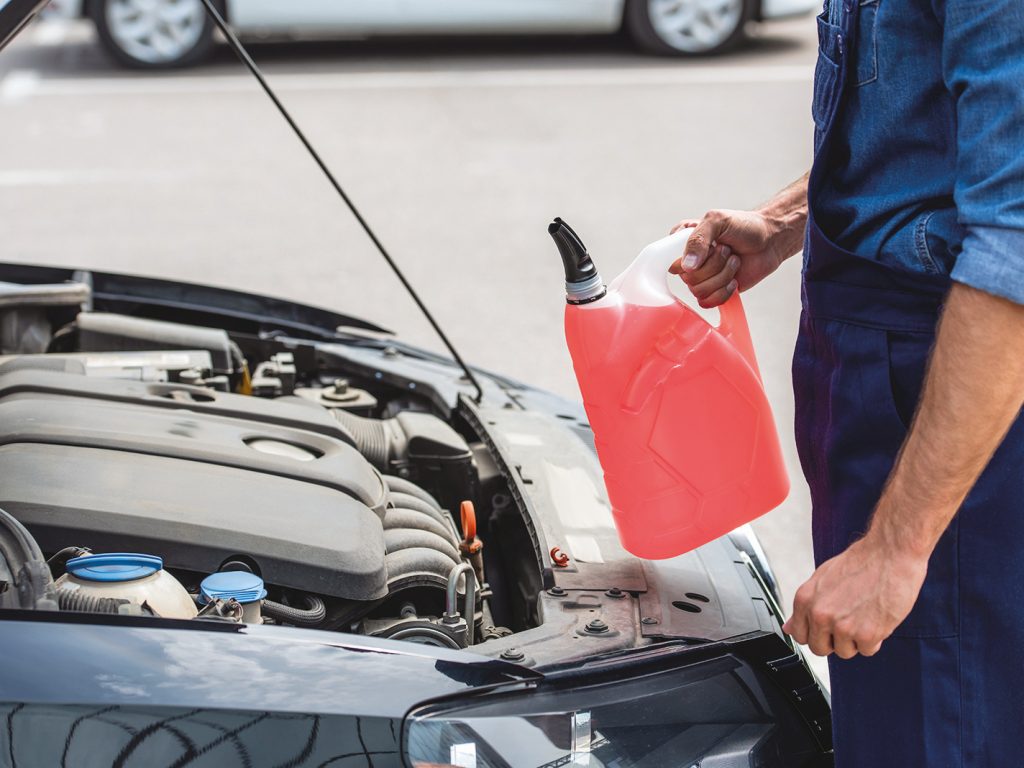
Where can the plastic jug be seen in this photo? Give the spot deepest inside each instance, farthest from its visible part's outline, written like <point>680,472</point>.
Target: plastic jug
<point>682,425</point>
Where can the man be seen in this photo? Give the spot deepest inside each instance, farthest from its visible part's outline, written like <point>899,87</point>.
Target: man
<point>907,426</point>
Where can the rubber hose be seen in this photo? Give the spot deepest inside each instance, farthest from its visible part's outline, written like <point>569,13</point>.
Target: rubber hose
<point>401,485</point>
<point>313,616</point>
<point>58,561</point>
<point>74,600</point>
<point>369,434</point>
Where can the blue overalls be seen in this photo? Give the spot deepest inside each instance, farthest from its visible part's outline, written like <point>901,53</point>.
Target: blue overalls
<point>947,688</point>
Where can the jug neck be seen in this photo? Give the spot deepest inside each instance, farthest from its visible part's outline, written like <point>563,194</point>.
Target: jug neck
<point>583,283</point>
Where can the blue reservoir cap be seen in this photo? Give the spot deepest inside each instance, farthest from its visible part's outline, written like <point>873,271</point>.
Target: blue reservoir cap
<point>245,587</point>
<point>116,566</point>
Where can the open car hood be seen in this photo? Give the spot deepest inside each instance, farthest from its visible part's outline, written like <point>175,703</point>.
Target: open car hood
<point>15,14</point>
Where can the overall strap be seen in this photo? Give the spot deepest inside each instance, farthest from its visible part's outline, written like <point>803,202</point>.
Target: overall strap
<point>836,43</point>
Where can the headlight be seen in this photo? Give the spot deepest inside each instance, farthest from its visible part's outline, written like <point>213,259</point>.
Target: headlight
<point>712,714</point>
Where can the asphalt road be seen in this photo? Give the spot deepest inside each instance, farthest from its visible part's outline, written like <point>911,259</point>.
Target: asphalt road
<point>459,154</point>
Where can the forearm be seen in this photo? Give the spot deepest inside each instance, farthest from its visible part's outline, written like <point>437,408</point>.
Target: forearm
<point>787,213</point>
<point>973,392</point>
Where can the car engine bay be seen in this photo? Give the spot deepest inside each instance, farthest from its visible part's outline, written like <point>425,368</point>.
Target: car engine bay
<point>174,452</point>
<point>351,510</point>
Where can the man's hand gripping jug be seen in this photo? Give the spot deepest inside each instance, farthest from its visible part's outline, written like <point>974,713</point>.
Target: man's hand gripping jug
<point>683,429</point>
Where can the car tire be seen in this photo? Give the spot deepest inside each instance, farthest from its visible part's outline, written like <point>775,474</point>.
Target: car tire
<point>153,34</point>
<point>687,27</point>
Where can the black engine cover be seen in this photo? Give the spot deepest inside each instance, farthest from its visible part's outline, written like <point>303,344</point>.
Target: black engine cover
<point>192,486</point>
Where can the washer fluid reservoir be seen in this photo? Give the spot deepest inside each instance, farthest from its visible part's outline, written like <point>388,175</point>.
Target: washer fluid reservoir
<point>681,422</point>
<point>247,588</point>
<point>138,578</point>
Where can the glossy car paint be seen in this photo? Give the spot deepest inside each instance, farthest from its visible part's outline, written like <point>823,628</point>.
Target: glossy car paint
<point>103,660</point>
<point>113,688</point>
<point>157,692</point>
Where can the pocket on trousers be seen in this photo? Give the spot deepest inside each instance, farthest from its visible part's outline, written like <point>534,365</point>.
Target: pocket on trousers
<point>937,610</point>
<point>871,400</point>
<point>908,358</point>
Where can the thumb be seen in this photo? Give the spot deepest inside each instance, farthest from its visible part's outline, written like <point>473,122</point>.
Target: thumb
<point>698,246</point>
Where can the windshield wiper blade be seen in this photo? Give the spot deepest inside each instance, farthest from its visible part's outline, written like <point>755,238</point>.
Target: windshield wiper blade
<point>246,59</point>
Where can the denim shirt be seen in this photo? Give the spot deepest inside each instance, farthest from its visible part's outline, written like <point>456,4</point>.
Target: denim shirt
<point>926,164</point>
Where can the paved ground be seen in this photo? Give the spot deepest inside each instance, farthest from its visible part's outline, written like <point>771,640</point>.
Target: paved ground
<point>459,152</point>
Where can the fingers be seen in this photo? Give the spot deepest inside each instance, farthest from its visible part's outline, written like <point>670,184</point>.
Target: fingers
<point>806,625</point>
<point>712,265</point>
<point>849,641</point>
<point>868,647</point>
<point>818,629</point>
<point>702,240</point>
<point>716,263</point>
<point>867,639</point>
<point>719,297</point>
<point>848,607</point>
<point>843,642</point>
<point>717,288</point>
<point>797,626</point>
<point>684,224</point>
<point>714,282</point>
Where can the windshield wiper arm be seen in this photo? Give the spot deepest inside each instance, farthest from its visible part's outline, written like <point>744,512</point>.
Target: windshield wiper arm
<point>246,59</point>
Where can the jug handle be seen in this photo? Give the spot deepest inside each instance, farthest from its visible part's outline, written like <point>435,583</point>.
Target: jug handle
<point>734,327</point>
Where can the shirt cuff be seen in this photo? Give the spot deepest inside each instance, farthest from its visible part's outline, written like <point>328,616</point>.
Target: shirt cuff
<point>992,260</point>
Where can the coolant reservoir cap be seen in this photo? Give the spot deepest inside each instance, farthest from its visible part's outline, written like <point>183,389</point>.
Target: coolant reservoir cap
<point>245,587</point>
<point>116,566</point>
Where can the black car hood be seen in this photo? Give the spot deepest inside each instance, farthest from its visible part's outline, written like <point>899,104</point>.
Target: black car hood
<point>15,14</point>
<point>201,304</point>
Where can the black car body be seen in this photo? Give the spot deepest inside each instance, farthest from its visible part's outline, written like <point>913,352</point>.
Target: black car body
<point>88,438</point>
<point>229,432</point>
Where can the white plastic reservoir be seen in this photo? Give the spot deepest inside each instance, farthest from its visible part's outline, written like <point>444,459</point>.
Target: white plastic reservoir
<point>138,578</point>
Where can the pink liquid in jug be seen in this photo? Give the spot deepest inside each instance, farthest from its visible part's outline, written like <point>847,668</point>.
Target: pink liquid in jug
<point>682,425</point>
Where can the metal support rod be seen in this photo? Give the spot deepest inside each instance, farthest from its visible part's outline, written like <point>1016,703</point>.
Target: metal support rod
<point>246,59</point>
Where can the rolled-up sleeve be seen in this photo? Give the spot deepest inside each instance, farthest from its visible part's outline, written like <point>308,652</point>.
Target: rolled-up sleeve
<point>983,68</point>
<point>993,261</point>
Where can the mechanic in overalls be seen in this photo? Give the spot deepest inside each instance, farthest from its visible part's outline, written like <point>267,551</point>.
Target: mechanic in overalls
<point>907,424</point>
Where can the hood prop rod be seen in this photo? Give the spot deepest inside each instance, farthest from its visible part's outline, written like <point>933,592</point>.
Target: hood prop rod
<point>245,58</point>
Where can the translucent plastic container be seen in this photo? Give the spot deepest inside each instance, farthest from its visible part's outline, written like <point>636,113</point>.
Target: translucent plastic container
<point>683,428</point>
<point>129,576</point>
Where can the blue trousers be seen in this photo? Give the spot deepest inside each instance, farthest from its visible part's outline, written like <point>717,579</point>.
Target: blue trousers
<point>947,688</point>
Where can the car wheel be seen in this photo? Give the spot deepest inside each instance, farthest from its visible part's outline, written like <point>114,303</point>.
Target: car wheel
<point>153,34</point>
<point>687,27</point>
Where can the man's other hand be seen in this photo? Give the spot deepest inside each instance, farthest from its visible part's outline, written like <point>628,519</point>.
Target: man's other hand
<point>730,250</point>
<point>855,600</point>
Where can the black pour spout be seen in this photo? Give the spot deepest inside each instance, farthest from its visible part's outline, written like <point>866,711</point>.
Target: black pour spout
<point>582,281</point>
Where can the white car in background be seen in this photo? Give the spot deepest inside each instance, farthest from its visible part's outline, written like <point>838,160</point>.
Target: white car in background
<point>156,34</point>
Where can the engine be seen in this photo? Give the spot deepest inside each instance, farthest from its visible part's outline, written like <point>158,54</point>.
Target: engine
<point>269,499</point>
